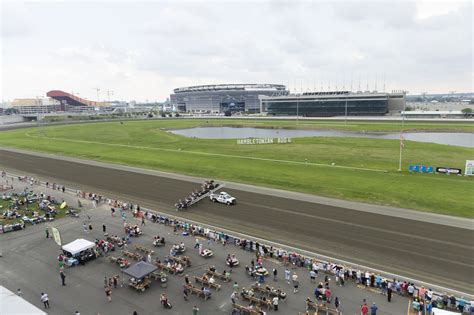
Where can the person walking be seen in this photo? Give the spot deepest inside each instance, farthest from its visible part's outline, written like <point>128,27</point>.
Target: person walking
<point>45,300</point>
<point>47,233</point>
<point>108,294</point>
<point>19,293</point>
<point>373,309</point>
<point>143,221</point>
<point>235,287</point>
<point>63,277</point>
<point>275,272</point>
<point>287,275</point>
<point>104,228</point>
<point>389,294</point>
<point>337,304</point>
<point>312,276</point>
<point>275,303</point>
<point>364,309</point>
<point>195,310</point>
<point>185,293</point>
<point>234,296</point>
<point>296,282</point>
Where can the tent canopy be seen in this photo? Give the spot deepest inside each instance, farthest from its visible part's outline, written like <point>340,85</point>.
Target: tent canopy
<point>140,270</point>
<point>78,246</point>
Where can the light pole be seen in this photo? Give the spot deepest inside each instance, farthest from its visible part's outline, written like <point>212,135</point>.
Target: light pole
<point>345,116</point>
<point>297,109</point>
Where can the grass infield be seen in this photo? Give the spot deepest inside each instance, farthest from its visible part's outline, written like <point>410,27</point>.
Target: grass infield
<point>356,169</point>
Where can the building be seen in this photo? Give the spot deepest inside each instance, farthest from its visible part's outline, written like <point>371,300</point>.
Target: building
<point>221,98</point>
<point>340,103</point>
<point>73,103</point>
<point>33,106</point>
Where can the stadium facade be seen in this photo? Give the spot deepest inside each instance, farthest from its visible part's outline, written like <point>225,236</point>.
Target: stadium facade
<point>339,103</point>
<point>275,100</point>
<point>220,98</point>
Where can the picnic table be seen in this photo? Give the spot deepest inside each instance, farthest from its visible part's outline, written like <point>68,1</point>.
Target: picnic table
<point>144,249</point>
<point>183,260</point>
<point>140,286</point>
<point>218,275</point>
<point>132,255</point>
<point>246,309</point>
<point>207,282</point>
<point>257,300</point>
<point>197,291</point>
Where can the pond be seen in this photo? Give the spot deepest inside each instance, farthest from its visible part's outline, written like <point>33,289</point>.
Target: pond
<point>457,139</point>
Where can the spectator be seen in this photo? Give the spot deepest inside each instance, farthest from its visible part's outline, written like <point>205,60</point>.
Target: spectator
<point>373,309</point>
<point>45,300</point>
<point>275,303</point>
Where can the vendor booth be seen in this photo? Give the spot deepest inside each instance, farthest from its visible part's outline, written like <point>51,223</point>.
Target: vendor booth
<point>139,274</point>
<point>79,252</point>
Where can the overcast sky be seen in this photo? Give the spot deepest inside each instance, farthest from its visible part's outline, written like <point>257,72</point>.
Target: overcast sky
<point>142,50</point>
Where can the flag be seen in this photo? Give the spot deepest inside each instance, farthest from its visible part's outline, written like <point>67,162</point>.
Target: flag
<point>402,144</point>
<point>56,235</point>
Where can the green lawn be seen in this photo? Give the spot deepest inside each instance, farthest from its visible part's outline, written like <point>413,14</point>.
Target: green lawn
<point>364,169</point>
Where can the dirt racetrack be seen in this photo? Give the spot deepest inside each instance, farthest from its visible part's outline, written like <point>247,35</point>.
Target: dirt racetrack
<point>433,253</point>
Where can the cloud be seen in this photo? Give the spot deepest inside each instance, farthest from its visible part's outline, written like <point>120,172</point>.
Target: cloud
<point>144,50</point>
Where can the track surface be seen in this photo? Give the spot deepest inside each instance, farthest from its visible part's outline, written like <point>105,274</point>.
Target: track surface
<point>433,253</point>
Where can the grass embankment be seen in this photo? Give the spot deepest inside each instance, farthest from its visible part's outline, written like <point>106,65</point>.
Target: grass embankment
<point>304,165</point>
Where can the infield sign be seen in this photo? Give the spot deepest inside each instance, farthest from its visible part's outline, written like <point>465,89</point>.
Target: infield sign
<point>264,140</point>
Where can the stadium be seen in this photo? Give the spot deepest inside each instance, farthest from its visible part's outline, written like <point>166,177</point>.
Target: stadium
<point>221,98</point>
<point>339,103</point>
<point>276,100</point>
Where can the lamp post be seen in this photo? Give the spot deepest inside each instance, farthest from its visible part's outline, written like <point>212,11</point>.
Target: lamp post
<point>345,115</point>
<point>297,109</point>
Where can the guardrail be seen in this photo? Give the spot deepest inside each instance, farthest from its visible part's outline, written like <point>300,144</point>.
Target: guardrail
<point>437,290</point>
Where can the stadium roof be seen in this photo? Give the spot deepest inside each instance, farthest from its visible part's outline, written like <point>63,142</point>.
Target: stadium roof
<point>69,99</point>
<point>231,87</point>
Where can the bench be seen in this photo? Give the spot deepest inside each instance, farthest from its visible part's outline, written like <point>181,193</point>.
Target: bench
<point>144,249</point>
<point>197,291</point>
<point>132,255</point>
<point>218,275</point>
<point>166,268</point>
<point>272,292</point>
<point>319,307</point>
<point>206,282</point>
<point>184,260</point>
<point>257,301</point>
<point>245,309</point>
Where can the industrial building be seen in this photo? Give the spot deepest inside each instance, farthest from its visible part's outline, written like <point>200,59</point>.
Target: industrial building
<point>339,103</point>
<point>33,106</point>
<point>221,98</point>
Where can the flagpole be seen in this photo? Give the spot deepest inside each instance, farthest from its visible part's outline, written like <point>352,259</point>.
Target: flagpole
<point>401,138</point>
<point>400,161</point>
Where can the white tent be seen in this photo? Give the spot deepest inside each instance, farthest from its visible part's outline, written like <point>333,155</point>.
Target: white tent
<point>78,246</point>
<point>12,304</point>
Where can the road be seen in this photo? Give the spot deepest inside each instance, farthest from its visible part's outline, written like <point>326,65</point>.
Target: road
<point>434,253</point>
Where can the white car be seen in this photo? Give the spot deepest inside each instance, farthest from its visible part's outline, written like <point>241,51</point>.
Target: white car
<point>223,197</point>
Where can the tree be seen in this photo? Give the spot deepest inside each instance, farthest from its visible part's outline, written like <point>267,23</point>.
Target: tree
<point>467,112</point>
